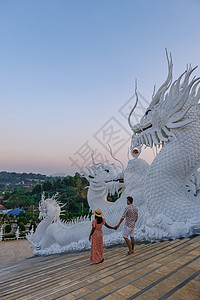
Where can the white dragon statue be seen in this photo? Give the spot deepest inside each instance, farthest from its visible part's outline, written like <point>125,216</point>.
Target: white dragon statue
<point>53,235</point>
<point>171,185</point>
<point>103,182</point>
<point>167,192</point>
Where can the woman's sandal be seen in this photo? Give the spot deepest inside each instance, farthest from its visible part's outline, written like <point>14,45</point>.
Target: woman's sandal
<point>129,253</point>
<point>101,261</point>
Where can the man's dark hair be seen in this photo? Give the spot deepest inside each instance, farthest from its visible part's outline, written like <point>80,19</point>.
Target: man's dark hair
<point>130,199</point>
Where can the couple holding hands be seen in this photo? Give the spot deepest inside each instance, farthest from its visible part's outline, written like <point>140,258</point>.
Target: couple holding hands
<point>130,215</point>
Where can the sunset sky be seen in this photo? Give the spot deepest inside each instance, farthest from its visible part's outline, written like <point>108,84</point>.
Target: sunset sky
<point>68,69</point>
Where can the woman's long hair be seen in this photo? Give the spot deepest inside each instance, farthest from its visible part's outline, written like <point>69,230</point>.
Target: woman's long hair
<point>99,219</point>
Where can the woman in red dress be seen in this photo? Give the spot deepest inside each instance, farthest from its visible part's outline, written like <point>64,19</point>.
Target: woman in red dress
<point>96,255</point>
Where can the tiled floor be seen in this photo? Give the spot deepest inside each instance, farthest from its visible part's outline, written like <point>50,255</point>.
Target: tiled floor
<point>163,270</point>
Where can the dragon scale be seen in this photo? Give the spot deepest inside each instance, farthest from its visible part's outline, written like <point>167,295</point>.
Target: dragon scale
<point>164,187</point>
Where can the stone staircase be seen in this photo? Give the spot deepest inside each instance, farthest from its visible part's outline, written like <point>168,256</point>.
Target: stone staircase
<point>163,270</point>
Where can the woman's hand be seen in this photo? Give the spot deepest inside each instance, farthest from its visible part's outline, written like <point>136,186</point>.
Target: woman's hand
<point>91,233</point>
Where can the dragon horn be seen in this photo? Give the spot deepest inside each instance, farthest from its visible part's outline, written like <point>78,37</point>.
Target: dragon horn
<point>136,102</point>
<point>107,160</point>
<point>94,163</point>
<point>116,158</point>
<point>166,84</point>
<point>128,154</point>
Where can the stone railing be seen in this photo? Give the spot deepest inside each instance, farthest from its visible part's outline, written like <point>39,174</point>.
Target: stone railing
<point>15,236</point>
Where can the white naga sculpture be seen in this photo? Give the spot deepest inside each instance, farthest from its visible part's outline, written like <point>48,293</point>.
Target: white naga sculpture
<point>167,192</point>
<point>53,235</point>
<point>104,181</point>
<point>171,185</point>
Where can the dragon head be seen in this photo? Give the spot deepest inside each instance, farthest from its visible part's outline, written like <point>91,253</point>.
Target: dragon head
<point>105,176</point>
<point>49,208</point>
<point>167,110</point>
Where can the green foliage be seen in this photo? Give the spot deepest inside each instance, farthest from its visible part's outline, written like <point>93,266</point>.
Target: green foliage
<point>21,226</point>
<point>37,189</point>
<point>47,186</point>
<point>16,178</point>
<point>19,198</point>
<point>22,219</point>
<point>5,217</point>
<point>32,215</point>
<point>113,198</point>
<point>72,192</point>
<point>6,195</point>
<point>11,216</point>
<point>9,235</point>
<point>21,234</point>
<point>8,228</point>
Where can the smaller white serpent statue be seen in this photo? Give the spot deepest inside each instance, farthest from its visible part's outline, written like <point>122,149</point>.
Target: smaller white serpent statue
<point>53,235</point>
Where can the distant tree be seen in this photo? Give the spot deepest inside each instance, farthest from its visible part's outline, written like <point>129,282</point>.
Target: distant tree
<point>47,185</point>
<point>37,189</point>
<point>5,217</point>
<point>22,219</point>
<point>6,195</point>
<point>11,216</point>
<point>19,198</point>
<point>8,228</point>
<point>72,192</point>
<point>21,226</point>
<point>69,181</point>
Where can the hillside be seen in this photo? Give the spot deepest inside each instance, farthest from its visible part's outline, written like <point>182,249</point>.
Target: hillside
<point>12,178</point>
<point>24,190</point>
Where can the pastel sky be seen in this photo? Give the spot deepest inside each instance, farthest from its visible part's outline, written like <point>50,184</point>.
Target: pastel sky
<point>68,68</point>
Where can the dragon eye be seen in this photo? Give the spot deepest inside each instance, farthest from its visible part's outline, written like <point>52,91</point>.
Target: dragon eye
<point>107,171</point>
<point>146,113</point>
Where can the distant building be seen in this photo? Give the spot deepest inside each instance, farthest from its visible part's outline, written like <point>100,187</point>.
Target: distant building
<point>5,211</point>
<point>2,207</point>
<point>33,207</point>
<point>15,211</point>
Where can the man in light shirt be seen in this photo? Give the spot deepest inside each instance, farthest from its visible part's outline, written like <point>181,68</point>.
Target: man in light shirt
<point>130,215</point>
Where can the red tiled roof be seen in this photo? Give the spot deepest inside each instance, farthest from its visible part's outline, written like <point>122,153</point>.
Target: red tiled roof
<point>2,207</point>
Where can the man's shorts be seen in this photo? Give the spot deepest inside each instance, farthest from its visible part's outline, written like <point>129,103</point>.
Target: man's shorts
<point>128,231</point>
